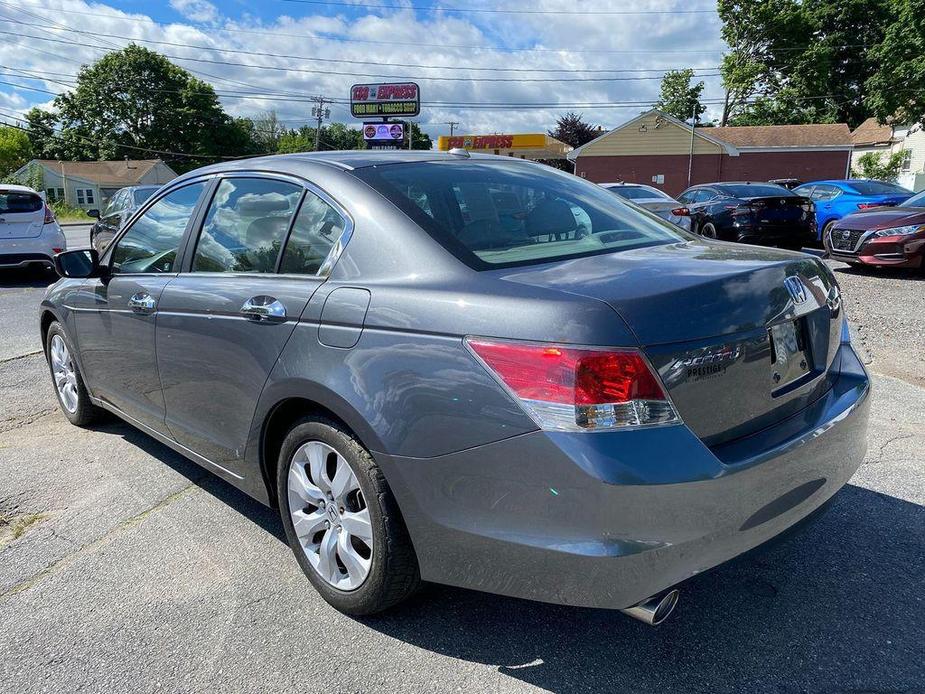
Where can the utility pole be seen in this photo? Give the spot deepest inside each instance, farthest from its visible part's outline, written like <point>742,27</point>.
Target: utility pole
<point>452,124</point>
<point>319,112</point>
<point>690,161</point>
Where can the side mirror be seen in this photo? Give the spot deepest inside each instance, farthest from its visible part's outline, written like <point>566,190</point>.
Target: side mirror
<point>681,212</point>
<point>84,262</point>
<point>93,213</point>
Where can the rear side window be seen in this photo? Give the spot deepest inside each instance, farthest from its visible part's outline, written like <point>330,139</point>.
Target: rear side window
<point>246,225</point>
<point>637,193</point>
<point>12,202</point>
<point>151,243</point>
<point>755,190</point>
<point>501,214</point>
<point>826,192</point>
<point>317,228</point>
<point>878,188</point>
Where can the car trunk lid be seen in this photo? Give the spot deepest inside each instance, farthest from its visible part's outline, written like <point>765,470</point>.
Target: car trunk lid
<point>742,337</point>
<point>776,210</point>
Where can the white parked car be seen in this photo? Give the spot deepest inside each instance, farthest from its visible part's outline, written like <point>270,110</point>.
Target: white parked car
<point>653,200</point>
<point>29,232</point>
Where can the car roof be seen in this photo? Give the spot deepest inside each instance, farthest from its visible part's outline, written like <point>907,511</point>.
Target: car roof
<point>301,163</point>
<point>12,187</point>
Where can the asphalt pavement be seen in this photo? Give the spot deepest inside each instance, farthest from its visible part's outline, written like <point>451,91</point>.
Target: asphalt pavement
<point>123,566</point>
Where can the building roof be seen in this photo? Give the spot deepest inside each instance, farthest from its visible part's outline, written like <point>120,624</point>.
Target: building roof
<point>772,136</point>
<point>870,132</point>
<point>120,173</point>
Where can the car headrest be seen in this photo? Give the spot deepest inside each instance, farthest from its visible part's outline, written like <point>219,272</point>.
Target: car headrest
<point>551,217</point>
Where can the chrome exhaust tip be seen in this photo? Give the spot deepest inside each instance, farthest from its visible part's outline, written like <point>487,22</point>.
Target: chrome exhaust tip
<point>655,610</point>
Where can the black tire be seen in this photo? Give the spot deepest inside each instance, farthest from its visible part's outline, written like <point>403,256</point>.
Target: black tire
<point>85,412</point>
<point>393,574</point>
<point>709,231</point>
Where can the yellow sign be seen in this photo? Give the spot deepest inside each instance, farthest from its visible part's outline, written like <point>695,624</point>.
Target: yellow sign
<point>492,142</point>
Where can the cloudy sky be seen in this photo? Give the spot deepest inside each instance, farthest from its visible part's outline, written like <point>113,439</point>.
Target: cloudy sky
<point>491,71</point>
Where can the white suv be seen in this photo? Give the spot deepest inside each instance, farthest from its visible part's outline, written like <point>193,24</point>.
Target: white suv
<point>29,233</point>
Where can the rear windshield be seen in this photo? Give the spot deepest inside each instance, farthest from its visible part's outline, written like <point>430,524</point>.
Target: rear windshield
<point>754,190</point>
<point>637,193</point>
<point>501,214</point>
<point>13,202</point>
<point>878,188</point>
<point>143,194</point>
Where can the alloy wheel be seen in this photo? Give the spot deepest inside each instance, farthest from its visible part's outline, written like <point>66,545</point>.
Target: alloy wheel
<point>65,376</point>
<point>330,515</point>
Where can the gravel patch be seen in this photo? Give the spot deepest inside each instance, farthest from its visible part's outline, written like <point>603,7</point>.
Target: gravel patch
<point>886,309</point>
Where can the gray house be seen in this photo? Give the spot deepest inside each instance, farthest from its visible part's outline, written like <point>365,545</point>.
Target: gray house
<point>90,184</point>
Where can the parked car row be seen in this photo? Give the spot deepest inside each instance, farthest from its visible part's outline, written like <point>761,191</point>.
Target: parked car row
<point>858,221</point>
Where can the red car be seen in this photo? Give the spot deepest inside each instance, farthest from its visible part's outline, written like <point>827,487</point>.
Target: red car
<point>882,236</point>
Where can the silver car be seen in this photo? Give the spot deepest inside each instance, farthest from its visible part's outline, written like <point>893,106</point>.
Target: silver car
<point>437,370</point>
<point>29,233</point>
<point>653,200</point>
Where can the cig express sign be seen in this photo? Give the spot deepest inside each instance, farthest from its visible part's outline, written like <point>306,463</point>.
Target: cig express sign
<point>393,99</point>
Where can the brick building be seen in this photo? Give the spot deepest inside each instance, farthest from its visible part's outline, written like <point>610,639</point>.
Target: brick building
<point>656,149</point>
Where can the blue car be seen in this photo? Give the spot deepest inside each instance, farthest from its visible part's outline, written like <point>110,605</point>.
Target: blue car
<point>835,199</point>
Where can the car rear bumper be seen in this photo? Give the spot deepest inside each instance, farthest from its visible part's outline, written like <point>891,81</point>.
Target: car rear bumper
<point>15,260</point>
<point>609,519</point>
<point>775,236</point>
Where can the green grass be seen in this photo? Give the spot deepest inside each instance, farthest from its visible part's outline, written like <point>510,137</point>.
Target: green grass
<point>68,213</point>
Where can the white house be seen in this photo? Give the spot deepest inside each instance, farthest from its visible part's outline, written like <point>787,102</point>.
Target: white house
<point>90,184</point>
<point>870,136</point>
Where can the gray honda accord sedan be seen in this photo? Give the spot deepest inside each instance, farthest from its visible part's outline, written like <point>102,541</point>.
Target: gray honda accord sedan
<point>470,370</point>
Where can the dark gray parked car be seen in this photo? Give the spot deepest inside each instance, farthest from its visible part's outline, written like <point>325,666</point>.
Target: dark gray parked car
<point>120,209</point>
<point>471,370</point>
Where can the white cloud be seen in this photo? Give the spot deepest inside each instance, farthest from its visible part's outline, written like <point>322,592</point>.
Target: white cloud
<point>577,42</point>
<point>196,10</point>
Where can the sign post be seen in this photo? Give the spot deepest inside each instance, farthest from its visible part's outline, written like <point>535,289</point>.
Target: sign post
<point>398,100</point>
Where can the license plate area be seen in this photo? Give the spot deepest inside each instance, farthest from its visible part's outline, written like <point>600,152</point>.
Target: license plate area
<point>791,361</point>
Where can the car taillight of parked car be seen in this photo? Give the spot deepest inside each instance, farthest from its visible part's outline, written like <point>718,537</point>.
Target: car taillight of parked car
<point>49,215</point>
<point>870,205</point>
<point>578,389</point>
<point>741,210</point>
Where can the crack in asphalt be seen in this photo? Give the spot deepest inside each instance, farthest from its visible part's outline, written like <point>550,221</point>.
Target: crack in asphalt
<point>98,543</point>
<point>884,445</point>
<point>21,356</point>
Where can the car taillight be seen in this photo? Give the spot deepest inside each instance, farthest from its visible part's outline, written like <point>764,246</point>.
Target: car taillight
<point>681,212</point>
<point>578,389</point>
<point>869,205</point>
<point>740,210</point>
<point>49,215</point>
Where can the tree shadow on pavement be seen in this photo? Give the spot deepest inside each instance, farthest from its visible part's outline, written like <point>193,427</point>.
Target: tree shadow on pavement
<point>27,278</point>
<point>266,518</point>
<point>838,607</point>
<point>883,273</point>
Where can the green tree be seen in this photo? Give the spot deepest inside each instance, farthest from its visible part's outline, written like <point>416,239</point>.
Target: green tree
<point>797,61</point>
<point>679,97</point>
<point>896,91</point>
<point>573,130</point>
<point>135,102</point>
<point>15,149</point>
<point>878,167</point>
<point>420,139</point>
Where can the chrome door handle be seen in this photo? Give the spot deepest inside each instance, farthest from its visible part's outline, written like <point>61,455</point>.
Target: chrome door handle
<point>142,303</point>
<point>264,308</point>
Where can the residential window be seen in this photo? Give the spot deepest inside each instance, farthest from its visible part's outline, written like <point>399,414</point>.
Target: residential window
<point>84,196</point>
<point>907,160</point>
<point>54,194</point>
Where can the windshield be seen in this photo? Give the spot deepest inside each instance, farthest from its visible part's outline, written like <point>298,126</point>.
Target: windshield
<point>878,188</point>
<point>13,202</point>
<point>500,213</point>
<point>638,193</point>
<point>142,194</point>
<point>917,200</point>
<point>754,190</point>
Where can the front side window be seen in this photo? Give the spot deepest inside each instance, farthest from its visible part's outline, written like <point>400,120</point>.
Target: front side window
<point>152,242</point>
<point>246,225</point>
<point>317,228</point>
<point>500,213</point>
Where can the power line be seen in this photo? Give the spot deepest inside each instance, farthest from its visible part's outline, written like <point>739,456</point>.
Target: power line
<point>480,10</point>
<point>280,68</point>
